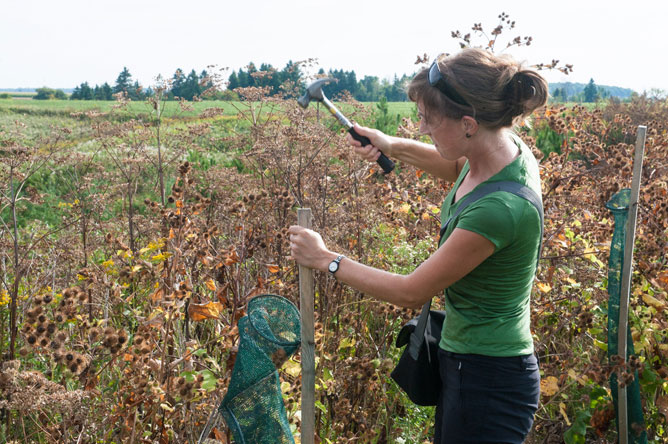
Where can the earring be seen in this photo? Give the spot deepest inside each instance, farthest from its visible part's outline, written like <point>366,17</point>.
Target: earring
<point>468,136</point>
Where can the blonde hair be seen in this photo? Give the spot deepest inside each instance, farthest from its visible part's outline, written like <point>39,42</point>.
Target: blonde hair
<point>500,93</point>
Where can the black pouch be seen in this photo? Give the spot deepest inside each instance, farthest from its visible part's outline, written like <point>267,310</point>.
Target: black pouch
<point>417,371</point>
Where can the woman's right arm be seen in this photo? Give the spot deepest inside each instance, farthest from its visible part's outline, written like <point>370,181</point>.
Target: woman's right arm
<point>419,154</point>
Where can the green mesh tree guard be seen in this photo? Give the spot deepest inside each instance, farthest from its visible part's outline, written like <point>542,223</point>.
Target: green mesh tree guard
<point>619,204</point>
<point>253,406</point>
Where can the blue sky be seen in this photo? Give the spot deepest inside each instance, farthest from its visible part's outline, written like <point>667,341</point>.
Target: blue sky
<point>63,43</point>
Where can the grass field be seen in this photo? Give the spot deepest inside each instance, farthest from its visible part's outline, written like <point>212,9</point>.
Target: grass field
<point>172,108</point>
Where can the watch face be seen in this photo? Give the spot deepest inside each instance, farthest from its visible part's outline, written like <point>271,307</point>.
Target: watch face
<point>333,266</point>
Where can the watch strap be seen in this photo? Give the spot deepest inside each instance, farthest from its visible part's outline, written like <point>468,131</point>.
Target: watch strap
<point>337,261</point>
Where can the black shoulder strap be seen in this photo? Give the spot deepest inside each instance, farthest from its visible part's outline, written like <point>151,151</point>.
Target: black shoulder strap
<point>515,188</point>
<point>511,187</point>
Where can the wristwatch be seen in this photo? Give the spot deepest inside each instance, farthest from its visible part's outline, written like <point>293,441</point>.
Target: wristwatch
<point>334,265</point>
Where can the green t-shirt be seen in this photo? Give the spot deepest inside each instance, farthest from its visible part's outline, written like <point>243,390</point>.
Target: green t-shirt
<point>487,311</point>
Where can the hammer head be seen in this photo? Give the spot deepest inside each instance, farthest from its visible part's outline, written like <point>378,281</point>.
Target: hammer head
<point>314,92</point>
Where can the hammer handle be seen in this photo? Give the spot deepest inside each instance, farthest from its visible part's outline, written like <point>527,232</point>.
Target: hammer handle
<point>385,163</point>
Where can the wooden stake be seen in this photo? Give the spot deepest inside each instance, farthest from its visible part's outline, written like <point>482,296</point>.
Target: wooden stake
<point>625,290</point>
<point>306,307</point>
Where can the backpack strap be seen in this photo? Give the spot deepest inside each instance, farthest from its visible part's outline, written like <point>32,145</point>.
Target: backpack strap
<point>515,188</point>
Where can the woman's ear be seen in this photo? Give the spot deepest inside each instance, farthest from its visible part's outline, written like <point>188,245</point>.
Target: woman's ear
<point>470,125</point>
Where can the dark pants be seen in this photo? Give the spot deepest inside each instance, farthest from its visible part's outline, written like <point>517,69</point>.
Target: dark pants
<point>486,399</point>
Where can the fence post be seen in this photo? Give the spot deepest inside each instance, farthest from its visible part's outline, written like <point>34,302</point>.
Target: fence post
<point>626,279</point>
<point>306,307</point>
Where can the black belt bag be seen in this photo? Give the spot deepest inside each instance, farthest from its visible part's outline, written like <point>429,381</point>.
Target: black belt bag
<point>417,372</point>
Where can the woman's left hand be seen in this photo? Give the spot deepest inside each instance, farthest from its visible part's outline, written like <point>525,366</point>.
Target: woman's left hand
<point>308,249</point>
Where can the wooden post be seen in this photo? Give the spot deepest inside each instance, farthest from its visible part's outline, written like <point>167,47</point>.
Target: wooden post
<point>625,290</point>
<point>306,307</point>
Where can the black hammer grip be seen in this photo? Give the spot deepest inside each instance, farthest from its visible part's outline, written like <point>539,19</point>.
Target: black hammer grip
<point>385,163</point>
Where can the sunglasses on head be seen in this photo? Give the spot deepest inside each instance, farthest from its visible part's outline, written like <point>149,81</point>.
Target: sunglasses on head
<point>437,80</point>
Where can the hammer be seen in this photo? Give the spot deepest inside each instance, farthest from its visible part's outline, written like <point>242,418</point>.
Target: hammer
<point>314,92</point>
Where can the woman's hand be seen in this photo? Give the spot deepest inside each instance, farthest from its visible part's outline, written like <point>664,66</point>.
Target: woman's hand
<point>308,249</point>
<point>380,142</point>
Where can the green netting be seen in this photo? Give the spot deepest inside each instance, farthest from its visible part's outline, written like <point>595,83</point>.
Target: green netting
<point>253,406</point>
<point>619,204</point>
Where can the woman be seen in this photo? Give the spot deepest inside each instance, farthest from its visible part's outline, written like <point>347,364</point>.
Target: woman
<point>487,260</point>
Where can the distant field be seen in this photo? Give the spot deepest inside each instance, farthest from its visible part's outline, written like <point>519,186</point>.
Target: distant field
<point>63,107</point>
<point>17,95</point>
<point>23,105</point>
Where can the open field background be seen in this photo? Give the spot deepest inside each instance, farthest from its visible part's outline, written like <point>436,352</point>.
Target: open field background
<point>133,234</point>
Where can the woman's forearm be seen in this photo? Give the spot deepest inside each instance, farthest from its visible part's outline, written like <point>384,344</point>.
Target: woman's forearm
<point>425,157</point>
<point>379,284</point>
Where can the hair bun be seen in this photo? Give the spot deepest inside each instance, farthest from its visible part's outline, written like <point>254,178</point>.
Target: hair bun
<point>525,92</point>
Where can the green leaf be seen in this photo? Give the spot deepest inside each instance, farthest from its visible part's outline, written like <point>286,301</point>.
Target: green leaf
<point>199,352</point>
<point>321,406</point>
<point>209,382</point>
<point>576,434</point>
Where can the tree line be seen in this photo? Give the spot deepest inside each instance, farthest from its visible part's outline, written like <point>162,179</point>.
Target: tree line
<point>278,82</point>
<point>367,89</point>
<point>589,92</point>
<point>181,86</point>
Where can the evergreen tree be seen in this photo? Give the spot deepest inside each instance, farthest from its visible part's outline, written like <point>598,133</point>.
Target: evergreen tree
<point>76,94</point>
<point>291,76</point>
<point>190,87</point>
<point>106,92</point>
<point>205,81</point>
<point>83,92</point>
<point>233,81</point>
<point>178,80</point>
<point>590,92</point>
<point>368,89</point>
<point>135,91</point>
<point>123,82</point>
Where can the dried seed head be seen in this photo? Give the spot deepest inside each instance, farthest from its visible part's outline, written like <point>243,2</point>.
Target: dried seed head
<point>111,340</point>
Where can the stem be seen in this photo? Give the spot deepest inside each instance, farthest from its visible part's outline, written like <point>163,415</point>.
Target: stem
<point>130,216</point>
<point>160,169</point>
<point>84,239</point>
<point>17,272</point>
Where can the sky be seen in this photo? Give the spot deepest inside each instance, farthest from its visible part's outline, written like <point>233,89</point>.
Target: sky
<point>62,43</point>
